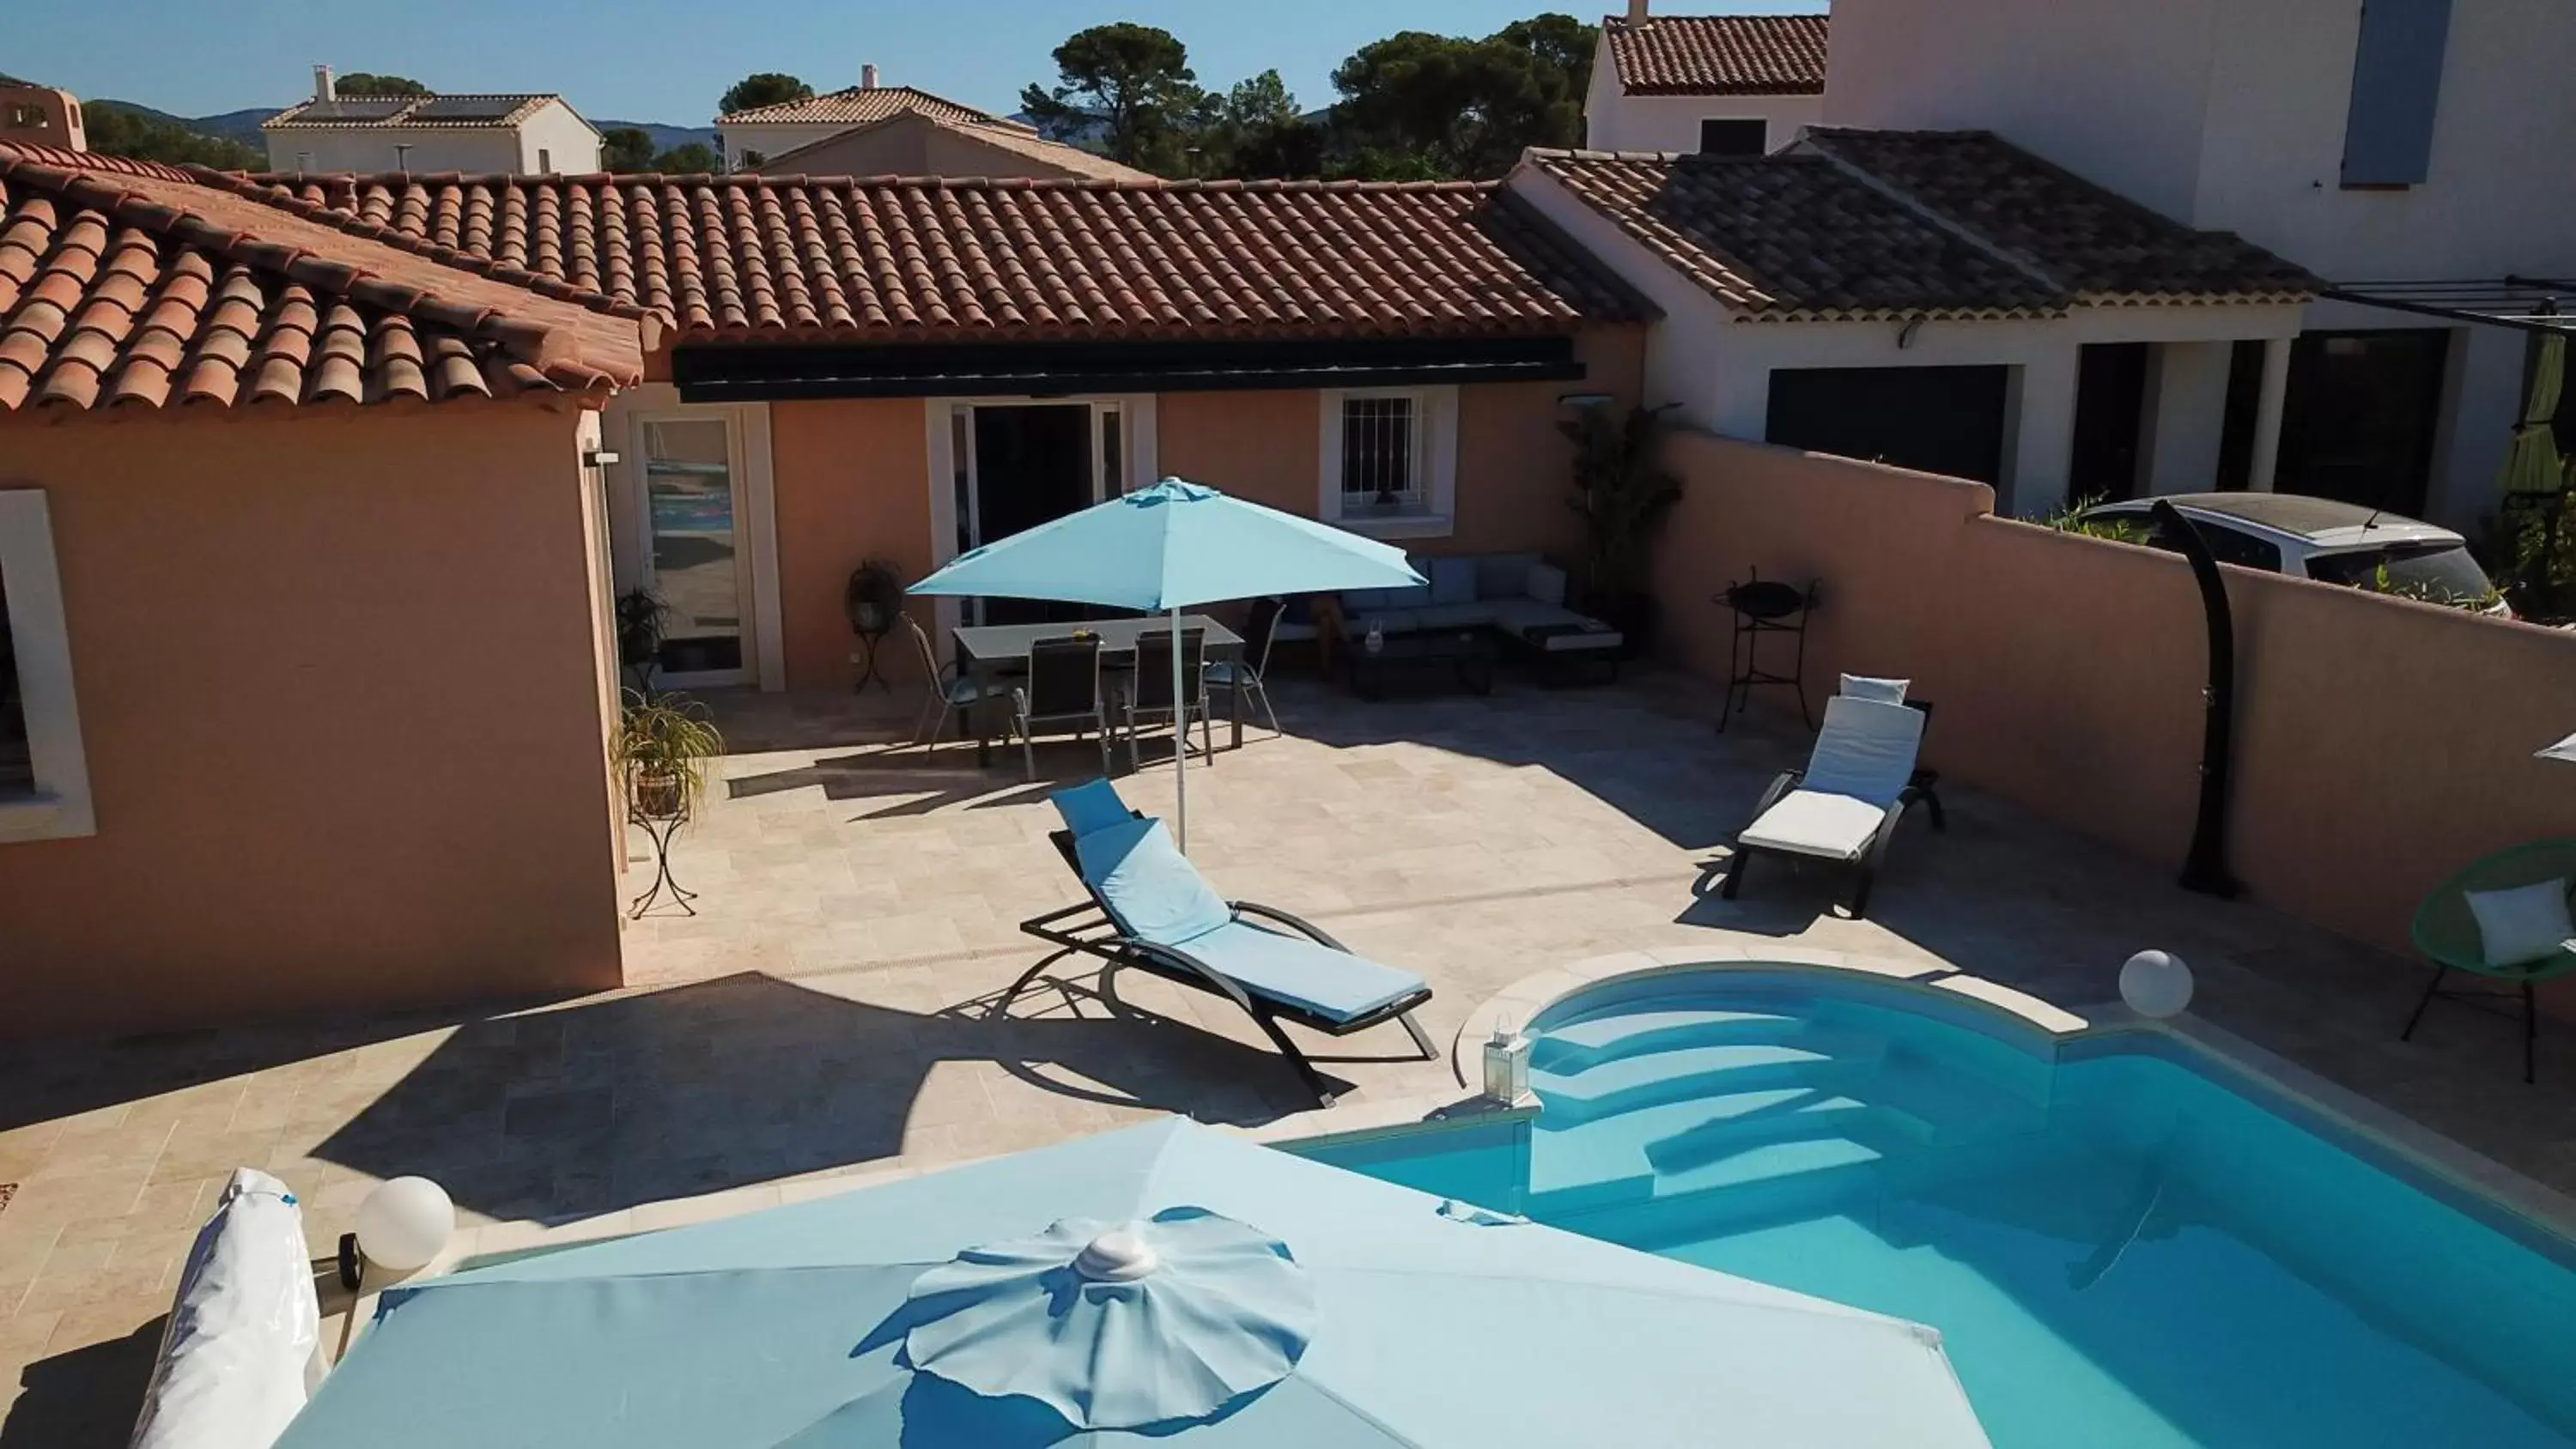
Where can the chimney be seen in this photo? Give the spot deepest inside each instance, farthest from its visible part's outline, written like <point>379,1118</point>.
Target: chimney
<point>867,77</point>
<point>324,88</point>
<point>1636,12</point>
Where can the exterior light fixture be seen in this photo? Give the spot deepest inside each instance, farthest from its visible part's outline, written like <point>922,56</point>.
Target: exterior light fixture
<point>1507,1066</point>
<point>402,1225</point>
<point>2156,984</point>
<point>599,458</point>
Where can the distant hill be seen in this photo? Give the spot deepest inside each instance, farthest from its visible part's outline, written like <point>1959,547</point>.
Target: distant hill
<point>665,137</point>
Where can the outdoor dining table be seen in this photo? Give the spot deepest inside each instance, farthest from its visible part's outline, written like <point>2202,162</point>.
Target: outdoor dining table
<point>991,653</point>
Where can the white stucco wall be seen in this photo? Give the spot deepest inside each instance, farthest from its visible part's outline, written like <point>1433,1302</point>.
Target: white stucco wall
<point>371,148</point>
<point>773,140</point>
<point>1718,369</point>
<point>1614,121</point>
<point>569,145</point>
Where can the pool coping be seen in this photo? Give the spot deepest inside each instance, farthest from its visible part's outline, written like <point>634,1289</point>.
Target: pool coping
<point>2460,1167</point>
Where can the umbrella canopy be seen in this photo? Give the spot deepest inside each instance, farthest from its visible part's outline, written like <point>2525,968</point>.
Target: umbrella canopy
<point>1173,546</point>
<point>2533,465</point>
<point>1167,548</point>
<point>2563,750</point>
<point>1328,1308</point>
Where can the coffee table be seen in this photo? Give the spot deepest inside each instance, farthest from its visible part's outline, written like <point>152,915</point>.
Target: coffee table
<point>1467,656</point>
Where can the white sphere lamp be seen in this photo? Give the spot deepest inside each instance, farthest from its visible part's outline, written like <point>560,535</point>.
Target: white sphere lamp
<point>2156,984</point>
<point>402,1225</point>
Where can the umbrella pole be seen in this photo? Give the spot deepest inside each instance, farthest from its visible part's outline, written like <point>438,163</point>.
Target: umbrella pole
<point>1180,743</point>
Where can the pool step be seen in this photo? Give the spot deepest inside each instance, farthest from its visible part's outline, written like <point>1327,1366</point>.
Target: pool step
<point>1810,1058</point>
<point>1619,1156</point>
<point>1633,1033</point>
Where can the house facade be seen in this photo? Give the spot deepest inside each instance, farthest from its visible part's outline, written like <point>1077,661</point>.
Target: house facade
<point>2396,150</point>
<point>1737,85</point>
<point>752,139</point>
<point>304,611</point>
<point>500,134</point>
<point>1928,299</point>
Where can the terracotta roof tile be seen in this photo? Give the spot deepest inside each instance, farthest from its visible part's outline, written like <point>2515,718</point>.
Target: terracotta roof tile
<point>1859,225</point>
<point>896,259</point>
<point>860,106</point>
<point>125,284</point>
<point>1719,55</point>
<point>409,113</point>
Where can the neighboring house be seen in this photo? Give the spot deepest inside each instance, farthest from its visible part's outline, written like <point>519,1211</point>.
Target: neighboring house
<point>906,369</point>
<point>40,116</point>
<point>299,575</point>
<point>751,139</point>
<point>2409,151</point>
<point>1926,299</point>
<point>918,143</point>
<point>496,134</point>
<point>1734,85</point>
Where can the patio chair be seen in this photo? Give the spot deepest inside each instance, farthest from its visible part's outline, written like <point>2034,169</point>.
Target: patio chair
<point>1151,911</point>
<point>950,688</point>
<point>1062,688</point>
<point>1260,628</point>
<point>1148,695</point>
<point>1844,806</point>
<point>2446,930</point>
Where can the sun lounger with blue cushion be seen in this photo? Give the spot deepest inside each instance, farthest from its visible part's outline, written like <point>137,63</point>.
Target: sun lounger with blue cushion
<point>1150,910</point>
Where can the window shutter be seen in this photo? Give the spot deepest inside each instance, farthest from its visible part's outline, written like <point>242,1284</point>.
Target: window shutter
<point>2396,88</point>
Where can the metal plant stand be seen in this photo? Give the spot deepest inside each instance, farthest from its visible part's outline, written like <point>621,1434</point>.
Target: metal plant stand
<point>1765,607</point>
<point>665,889</point>
<point>866,659</point>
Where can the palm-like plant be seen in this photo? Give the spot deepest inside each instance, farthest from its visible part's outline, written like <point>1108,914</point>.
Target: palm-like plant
<point>1622,492</point>
<point>658,746</point>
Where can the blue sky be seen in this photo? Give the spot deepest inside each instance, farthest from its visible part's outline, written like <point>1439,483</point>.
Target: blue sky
<point>665,60</point>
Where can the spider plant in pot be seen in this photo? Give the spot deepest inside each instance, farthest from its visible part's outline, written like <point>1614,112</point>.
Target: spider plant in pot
<point>658,748</point>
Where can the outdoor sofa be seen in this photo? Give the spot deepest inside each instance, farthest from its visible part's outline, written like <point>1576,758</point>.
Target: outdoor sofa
<point>1150,910</point>
<point>1519,596</point>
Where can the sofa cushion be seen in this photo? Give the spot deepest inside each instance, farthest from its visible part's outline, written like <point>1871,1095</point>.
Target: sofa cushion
<point>1514,615</point>
<point>1503,575</point>
<point>1361,601</point>
<point>1546,584</point>
<point>1453,580</point>
<point>1412,596</point>
<point>1455,616</point>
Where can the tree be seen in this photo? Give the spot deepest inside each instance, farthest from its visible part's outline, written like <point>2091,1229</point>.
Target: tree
<point>626,148</point>
<point>366,83</point>
<point>1255,131</point>
<point>114,130</point>
<point>1133,85</point>
<point>763,88</point>
<point>694,157</point>
<point>1422,104</point>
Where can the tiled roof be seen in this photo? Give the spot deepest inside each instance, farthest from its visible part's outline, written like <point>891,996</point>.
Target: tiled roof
<point>1958,225</point>
<point>813,156</point>
<point>858,106</point>
<point>127,284</point>
<point>408,112</point>
<point>1719,55</point>
<point>896,259</point>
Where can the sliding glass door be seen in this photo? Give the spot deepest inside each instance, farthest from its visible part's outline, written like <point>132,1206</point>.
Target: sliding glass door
<point>695,560</point>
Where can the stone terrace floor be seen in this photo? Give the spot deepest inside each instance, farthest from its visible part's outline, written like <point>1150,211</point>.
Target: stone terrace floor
<point>830,1008</point>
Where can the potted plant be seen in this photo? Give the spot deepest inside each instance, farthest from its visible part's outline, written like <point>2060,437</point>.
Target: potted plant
<point>871,597</point>
<point>658,747</point>
<point>1622,492</point>
<point>641,616</point>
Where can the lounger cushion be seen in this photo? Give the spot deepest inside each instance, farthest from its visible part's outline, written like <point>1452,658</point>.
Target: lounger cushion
<point>1866,750</point>
<point>1810,822</point>
<point>1335,985</point>
<point>1889,691</point>
<point>1150,888</point>
<point>1091,807</point>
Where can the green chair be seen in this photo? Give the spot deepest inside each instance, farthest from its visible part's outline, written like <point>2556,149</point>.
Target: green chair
<point>2446,932</point>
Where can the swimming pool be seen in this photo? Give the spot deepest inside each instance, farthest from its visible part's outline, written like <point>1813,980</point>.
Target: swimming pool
<point>2124,1240</point>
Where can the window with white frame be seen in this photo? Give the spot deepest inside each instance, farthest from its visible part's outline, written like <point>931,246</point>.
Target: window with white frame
<point>1390,460</point>
<point>44,775</point>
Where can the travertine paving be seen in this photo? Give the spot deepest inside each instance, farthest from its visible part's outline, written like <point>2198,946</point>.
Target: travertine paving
<point>831,1007</point>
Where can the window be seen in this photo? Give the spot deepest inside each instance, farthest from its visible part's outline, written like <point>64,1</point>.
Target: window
<point>2396,89</point>
<point>1381,455</point>
<point>1390,461</point>
<point>545,161</point>
<point>27,118</point>
<point>44,777</point>
<point>1734,137</point>
<point>2229,546</point>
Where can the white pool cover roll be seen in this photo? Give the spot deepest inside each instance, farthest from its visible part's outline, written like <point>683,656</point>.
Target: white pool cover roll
<point>238,1360</point>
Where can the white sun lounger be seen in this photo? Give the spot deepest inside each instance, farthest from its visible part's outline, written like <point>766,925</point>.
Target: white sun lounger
<point>1844,805</point>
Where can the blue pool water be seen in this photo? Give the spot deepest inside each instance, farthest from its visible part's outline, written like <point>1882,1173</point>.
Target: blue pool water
<point>2123,1242</point>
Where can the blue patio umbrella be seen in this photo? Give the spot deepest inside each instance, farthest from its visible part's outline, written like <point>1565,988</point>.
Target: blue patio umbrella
<point>1167,548</point>
<point>1168,1282</point>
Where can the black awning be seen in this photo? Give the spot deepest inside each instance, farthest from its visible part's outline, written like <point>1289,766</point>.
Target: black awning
<point>2525,304</point>
<point>750,372</point>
